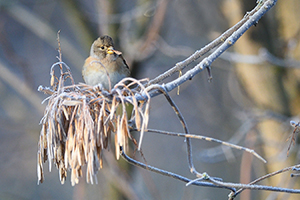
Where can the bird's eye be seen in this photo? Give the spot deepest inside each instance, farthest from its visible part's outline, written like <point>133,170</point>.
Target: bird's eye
<point>102,47</point>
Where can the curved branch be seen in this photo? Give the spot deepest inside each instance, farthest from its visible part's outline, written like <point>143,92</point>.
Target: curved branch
<point>169,174</point>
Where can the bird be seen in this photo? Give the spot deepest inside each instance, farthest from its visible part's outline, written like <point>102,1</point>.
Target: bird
<point>105,66</point>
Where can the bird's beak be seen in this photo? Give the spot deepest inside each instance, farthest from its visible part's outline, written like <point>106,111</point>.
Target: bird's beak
<point>110,50</point>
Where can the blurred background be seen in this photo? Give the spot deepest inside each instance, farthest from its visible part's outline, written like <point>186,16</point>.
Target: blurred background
<point>250,101</point>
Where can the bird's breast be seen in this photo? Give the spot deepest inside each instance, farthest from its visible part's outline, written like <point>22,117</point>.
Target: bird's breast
<point>95,72</point>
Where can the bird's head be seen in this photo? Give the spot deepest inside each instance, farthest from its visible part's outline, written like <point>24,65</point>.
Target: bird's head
<point>102,46</point>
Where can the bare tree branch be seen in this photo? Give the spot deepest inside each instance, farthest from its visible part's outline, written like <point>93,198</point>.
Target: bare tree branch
<point>170,174</point>
<point>232,196</point>
<point>226,40</point>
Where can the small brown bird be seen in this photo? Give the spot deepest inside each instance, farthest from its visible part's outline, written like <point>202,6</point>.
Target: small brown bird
<point>105,65</point>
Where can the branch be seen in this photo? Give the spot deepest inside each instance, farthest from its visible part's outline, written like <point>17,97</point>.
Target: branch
<point>169,174</point>
<point>252,119</point>
<point>181,65</point>
<point>183,123</point>
<point>276,189</point>
<point>214,182</point>
<point>211,140</point>
<point>227,39</point>
<point>206,62</point>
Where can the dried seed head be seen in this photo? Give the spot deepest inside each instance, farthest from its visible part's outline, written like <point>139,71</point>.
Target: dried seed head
<point>78,122</point>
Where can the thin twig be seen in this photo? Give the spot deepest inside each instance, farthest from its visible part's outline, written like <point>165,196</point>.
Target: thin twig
<point>253,187</point>
<point>184,125</point>
<point>265,177</point>
<point>209,139</point>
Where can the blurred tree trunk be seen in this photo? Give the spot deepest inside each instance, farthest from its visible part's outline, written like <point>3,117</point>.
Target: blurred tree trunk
<point>288,15</point>
<point>269,87</point>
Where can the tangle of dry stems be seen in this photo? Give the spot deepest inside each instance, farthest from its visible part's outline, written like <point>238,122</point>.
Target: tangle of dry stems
<point>79,121</point>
